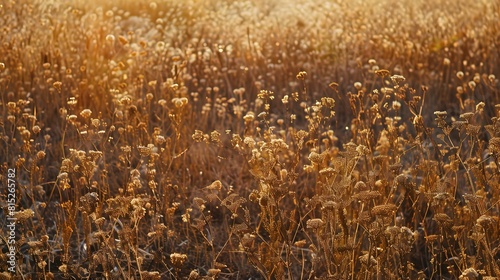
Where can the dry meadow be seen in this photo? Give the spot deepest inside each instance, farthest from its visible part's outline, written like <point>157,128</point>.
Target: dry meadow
<point>235,139</point>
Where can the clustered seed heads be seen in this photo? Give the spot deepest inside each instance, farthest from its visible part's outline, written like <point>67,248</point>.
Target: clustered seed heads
<point>241,139</point>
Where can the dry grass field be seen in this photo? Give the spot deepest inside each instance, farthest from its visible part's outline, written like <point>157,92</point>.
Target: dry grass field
<point>237,139</point>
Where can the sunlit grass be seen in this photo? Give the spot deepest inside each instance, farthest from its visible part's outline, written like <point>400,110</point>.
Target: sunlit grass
<point>252,139</point>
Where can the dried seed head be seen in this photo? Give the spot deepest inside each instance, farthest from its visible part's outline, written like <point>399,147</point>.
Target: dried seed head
<point>386,210</point>
<point>485,221</point>
<point>334,85</point>
<point>477,79</point>
<point>358,85</point>
<point>494,145</point>
<point>396,79</point>
<point>315,157</point>
<point>365,218</point>
<point>396,105</point>
<point>57,85</point>
<point>361,186</point>
<point>315,223</point>
<point>216,185</point>
<point>40,155</point>
<point>367,195</point>
<point>36,129</point>
<point>86,113</point>
<point>302,75</point>
<point>467,116</point>
<point>382,73</point>
<point>441,114</point>
<point>460,74</point>
<point>178,259</point>
<point>480,106</point>
<point>470,273</point>
<point>442,218</point>
<point>24,215</point>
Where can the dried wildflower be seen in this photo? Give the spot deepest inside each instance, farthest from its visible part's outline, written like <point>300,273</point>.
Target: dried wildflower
<point>480,107</point>
<point>57,85</point>
<point>40,155</point>
<point>494,145</point>
<point>301,75</point>
<point>365,217</point>
<point>396,79</point>
<point>467,116</point>
<point>284,100</point>
<point>194,275</point>
<point>433,238</point>
<point>24,215</point>
<point>358,85</point>
<point>470,274</point>
<point>396,105</point>
<point>315,157</point>
<point>216,185</point>
<point>486,221</point>
<point>442,218</point>
<point>85,113</point>
<point>441,114</point>
<point>334,85</point>
<point>367,195</point>
<point>328,102</point>
<point>178,259</point>
<point>265,94</point>
<point>11,106</point>
<point>315,223</point>
<point>386,210</point>
<point>198,136</point>
<point>492,78</point>
<point>249,117</point>
<point>382,73</point>
<point>460,75</point>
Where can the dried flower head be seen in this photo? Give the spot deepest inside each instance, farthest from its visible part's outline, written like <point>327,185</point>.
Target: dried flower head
<point>86,113</point>
<point>494,145</point>
<point>386,210</point>
<point>178,259</point>
<point>315,223</point>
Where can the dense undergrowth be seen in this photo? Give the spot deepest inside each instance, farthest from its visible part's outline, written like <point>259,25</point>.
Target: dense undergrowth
<point>274,139</point>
